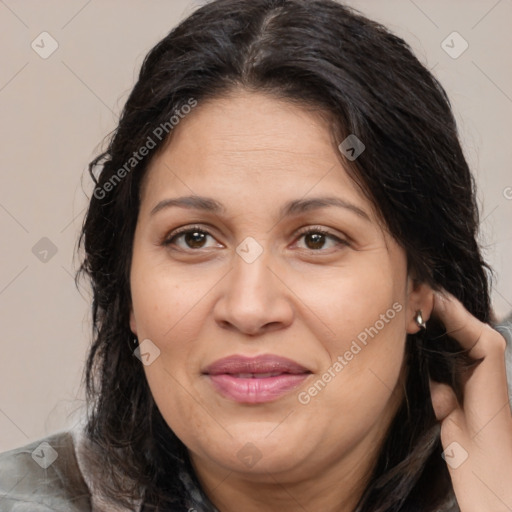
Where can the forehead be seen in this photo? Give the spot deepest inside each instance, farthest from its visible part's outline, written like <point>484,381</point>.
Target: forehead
<point>250,144</point>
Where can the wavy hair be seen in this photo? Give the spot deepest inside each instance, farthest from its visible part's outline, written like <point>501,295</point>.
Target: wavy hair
<point>368,82</point>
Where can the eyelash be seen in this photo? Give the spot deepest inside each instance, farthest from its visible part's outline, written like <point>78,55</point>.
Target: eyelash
<point>169,240</point>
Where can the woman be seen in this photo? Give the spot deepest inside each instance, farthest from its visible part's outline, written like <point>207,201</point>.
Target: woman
<point>290,310</point>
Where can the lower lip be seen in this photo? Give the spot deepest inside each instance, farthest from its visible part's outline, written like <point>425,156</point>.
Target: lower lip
<point>255,391</point>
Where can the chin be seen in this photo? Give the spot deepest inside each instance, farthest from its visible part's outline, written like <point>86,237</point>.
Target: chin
<point>261,462</point>
<point>258,453</point>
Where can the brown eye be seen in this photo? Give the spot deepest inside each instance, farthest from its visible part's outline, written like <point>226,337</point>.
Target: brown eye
<point>195,239</point>
<point>314,240</point>
<point>189,238</point>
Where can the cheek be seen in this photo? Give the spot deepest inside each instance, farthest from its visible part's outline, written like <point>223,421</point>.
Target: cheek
<point>165,299</point>
<point>358,301</point>
<point>183,409</point>
<point>170,309</point>
<point>358,387</point>
<point>172,320</point>
<point>365,311</point>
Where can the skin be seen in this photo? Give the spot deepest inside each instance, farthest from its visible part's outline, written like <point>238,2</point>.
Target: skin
<point>302,298</point>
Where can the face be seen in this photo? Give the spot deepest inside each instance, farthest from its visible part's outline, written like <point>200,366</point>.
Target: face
<point>284,269</point>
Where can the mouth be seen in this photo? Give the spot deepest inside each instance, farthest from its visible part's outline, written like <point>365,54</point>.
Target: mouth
<point>255,379</point>
<point>255,375</point>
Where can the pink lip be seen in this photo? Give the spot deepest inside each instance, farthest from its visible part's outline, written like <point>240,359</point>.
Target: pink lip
<point>224,374</point>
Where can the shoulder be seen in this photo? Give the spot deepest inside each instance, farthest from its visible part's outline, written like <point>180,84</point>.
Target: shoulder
<point>59,473</point>
<point>43,476</point>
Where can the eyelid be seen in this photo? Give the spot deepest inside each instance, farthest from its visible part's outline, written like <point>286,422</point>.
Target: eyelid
<point>183,230</point>
<point>313,227</point>
<point>319,229</point>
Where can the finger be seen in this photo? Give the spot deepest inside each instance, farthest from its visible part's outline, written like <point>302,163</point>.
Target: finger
<point>485,387</point>
<point>451,416</point>
<point>444,401</point>
<point>471,333</point>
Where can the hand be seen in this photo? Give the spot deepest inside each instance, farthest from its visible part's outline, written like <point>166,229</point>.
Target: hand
<point>476,437</point>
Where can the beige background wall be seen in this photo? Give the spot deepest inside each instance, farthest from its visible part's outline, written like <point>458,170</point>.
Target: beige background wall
<point>56,110</point>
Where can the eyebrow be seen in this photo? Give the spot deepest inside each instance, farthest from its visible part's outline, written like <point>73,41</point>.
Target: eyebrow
<point>294,207</point>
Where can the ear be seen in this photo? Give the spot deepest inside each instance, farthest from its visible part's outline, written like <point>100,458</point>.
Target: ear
<point>133,323</point>
<point>420,297</point>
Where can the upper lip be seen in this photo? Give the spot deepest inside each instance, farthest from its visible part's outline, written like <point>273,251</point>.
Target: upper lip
<point>266,363</point>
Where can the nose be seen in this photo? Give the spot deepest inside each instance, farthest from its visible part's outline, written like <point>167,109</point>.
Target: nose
<point>254,298</point>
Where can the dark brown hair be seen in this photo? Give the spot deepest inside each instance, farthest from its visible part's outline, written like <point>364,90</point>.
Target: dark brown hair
<point>319,53</point>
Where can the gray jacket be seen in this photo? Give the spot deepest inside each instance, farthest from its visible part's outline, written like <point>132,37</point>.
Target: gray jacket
<point>60,473</point>
<point>52,474</point>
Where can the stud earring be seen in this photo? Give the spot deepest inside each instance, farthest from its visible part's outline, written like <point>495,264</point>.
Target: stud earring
<point>419,320</point>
